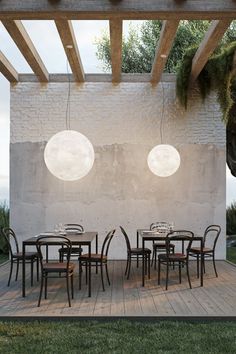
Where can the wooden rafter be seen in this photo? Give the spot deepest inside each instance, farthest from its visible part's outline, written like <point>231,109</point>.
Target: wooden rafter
<point>27,48</point>
<point>68,39</point>
<point>7,69</point>
<point>116,48</point>
<point>168,31</point>
<point>125,9</point>
<point>207,47</point>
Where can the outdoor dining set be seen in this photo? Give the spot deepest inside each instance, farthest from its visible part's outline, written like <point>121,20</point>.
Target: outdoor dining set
<point>57,253</point>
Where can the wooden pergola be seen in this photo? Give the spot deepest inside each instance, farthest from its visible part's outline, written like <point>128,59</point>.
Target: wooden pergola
<point>12,12</point>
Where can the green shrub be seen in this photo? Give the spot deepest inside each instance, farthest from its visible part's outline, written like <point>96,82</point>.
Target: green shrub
<point>4,222</point>
<point>231,219</point>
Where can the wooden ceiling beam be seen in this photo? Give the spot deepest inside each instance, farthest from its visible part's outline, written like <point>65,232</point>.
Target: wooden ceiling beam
<point>125,9</point>
<point>116,48</point>
<point>68,39</point>
<point>7,69</point>
<point>27,48</point>
<point>207,47</point>
<point>167,35</point>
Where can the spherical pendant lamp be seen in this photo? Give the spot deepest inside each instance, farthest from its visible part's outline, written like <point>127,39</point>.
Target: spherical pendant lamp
<point>163,160</point>
<point>69,155</point>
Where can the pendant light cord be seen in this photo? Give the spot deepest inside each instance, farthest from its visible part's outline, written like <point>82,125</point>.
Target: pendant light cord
<point>162,112</point>
<point>68,98</point>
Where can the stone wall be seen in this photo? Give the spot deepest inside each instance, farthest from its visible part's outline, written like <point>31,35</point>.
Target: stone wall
<point>123,124</point>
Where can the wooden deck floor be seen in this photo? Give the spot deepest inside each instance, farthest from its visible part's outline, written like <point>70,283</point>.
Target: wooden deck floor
<point>127,297</point>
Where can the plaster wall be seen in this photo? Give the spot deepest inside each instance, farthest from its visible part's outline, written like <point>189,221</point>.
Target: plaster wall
<point>122,122</point>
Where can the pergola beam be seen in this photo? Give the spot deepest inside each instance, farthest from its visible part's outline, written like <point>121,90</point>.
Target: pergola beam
<point>168,31</point>
<point>116,48</point>
<point>207,47</point>
<point>68,39</point>
<point>125,9</point>
<point>27,48</point>
<point>7,69</point>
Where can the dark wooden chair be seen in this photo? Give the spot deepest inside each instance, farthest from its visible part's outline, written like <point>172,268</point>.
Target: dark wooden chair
<point>75,251</point>
<point>97,259</point>
<point>16,256</point>
<point>184,238</point>
<point>55,269</point>
<point>135,253</point>
<point>158,246</point>
<point>211,235</point>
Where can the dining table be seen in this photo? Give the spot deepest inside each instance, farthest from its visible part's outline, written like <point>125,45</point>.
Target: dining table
<point>82,239</point>
<point>149,235</point>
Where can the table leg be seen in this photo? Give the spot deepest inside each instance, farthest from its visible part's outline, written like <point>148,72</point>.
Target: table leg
<point>89,271</point>
<point>23,270</point>
<point>202,263</point>
<point>137,245</point>
<point>143,263</point>
<point>96,250</point>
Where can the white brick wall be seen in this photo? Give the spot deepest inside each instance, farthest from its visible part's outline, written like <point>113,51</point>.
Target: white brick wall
<point>107,114</point>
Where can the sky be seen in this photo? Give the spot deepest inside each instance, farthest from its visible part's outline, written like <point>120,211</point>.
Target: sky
<point>46,40</point>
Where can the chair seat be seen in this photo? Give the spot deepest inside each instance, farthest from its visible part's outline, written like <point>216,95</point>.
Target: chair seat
<point>198,250</point>
<point>28,255</point>
<point>57,267</point>
<point>172,256</point>
<point>140,250</point>
<point>95,257</point>
<point>74,250</point>
<point>162,245</point>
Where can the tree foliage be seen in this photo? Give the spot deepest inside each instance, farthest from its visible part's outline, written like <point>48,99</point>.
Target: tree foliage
<point>138,48</point>
<point>4,222</point>
<point>231,219</point>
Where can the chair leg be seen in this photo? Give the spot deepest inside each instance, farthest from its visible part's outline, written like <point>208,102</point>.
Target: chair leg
<point>152,256</point>
<point>86,272</point>
<point>80,271</point>
<point>149,265</point>
<point>45,286</point>
<point>155,260</point>
<point>167,274</point>
<point>159,272</point>
<point>32,271</point>
<point>102,277</point>
<point>128,273</point>
<point>145,264</point>
<point>72,285</point>
<point>37,261</point>
<point>214,264</point>
<point>41,290</point>
<point>17,269</point>
<point>204,269</point>
<point>198,265</point>
<point>180,278</point>
<point>68,289</point>
<point>9,280</point>
<point>189,281</point>
<point>127,264</point>
<point>107,274</point>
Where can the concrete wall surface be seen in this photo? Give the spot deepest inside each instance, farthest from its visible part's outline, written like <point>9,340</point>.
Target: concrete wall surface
<point>123,124</point>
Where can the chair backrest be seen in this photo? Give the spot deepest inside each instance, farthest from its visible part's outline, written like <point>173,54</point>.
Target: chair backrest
<point>211,235</point>
<point>161,226</point>
<point>183,237</point>
<point>11,240</point>
<point>106,243</point>
<point>73,227</point>
<point>126,238</point>
<point>51,242</point>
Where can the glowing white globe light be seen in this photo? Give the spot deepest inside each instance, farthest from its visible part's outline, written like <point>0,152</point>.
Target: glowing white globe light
<point>163,160</point>
<point>69,155</point>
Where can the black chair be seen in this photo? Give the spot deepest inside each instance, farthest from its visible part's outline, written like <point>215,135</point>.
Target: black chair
<point>53,269</point>
<point>158,246</point>
<point>16,257</point>
<point>212,234</point>
<point>75,251</point>
<point>184,238</point>
<point>97,259</point>
<point>135,253</point>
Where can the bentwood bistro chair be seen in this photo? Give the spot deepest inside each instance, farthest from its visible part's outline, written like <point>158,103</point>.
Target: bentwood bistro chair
<point>97,259</point>
<point>16,256</point>
<point>210,239</point>
<point>55,269</point>
<point>134,253</point>
<point>75,251</point>
<point>184,238</point>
